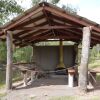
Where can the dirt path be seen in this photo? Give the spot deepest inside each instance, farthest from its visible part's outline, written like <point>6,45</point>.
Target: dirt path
<point>44,89</point>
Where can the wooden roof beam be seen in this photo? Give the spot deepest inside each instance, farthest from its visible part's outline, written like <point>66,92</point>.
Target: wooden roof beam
<point>38,32</point>
<point>70,17</point>
<point>22,19</point>
<point>31,39</point>
<point>47,27</point>
<point>28,39</point>
<point>31,21</point>
<point>68,32</point>
<point>26,31</point>
<point>49,37</point>
<point>79,31</point>
<point>55,17</point>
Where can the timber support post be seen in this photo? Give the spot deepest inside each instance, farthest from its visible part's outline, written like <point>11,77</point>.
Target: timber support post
<point>33,53</point>
<point>76,53</point>
<point>33,60</point>
<point>83,69</point>
<point>9,60</point>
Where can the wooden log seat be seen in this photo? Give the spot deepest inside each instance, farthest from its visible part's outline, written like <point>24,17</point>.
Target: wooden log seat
<point>92,75</point>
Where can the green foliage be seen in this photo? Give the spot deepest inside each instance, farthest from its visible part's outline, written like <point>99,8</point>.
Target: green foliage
<point>54,1</point>
<point>94,64</point>
<point>70,9</point>
<point>19,55</point>
<point>94,54</point>
<point>67,7</point>
<point>34,2</point>
<point>98,77</point>
<point>8,8</point>
<point>2,78</point>
<point>3,52</point>
<point>16,77</point>
<point>22,54</point>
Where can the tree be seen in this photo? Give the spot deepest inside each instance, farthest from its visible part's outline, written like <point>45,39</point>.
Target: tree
<point>54,1</point>
<point>8,8</point>
<point>68,7</point>
<point>2,52</point>
<point>34,2</point>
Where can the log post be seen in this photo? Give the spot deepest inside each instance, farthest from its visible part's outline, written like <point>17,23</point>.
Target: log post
<point>83,69</point>
<point>33,53</point>
<point>33,60</point>
<point>76,53</point>
<point>61,55</point>
<point>9,60</point>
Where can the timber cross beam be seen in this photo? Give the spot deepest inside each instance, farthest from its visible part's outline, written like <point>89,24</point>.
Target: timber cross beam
<point>46,27</point>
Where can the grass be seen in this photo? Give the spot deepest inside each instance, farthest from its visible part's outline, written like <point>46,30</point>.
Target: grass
<point>64,98</point>
<point>2,95</point>
<point>2,85</point>
<point>16,77</point>
<point>2,78</point>
<point>32,98</point>
<point>96,98</point>
<point>76,98</point>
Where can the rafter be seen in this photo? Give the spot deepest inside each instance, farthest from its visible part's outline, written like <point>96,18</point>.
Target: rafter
<point>72,18</point>
<point>22,19</point>
<point>46,27</point>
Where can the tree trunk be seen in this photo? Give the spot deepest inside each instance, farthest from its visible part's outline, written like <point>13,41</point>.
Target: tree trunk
<point>9,61</point>
<point>83,70</point>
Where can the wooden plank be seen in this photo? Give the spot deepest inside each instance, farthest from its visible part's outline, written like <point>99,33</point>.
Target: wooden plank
<point>76,53</point>
<point>77,31</point>
<point>24,18</point>
<point>55,17</point>
<point>68,33</point>
<point>9,61</point>
<point>83,69</point>
<point>31,21</point>
<point>26,37</point>
<point>31,35</point>
<point>72,18</point>
<point>48,37</point>
<point>33,38</point>
<point>27,31</point>
<point>46,27</point>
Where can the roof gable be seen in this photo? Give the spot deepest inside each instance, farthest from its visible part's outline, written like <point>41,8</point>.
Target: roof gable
<point>46,21</point>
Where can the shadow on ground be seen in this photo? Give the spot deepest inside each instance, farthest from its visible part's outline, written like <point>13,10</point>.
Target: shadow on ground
<point>59,80</point>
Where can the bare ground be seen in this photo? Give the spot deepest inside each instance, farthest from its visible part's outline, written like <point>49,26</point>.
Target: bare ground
<point>46,88</point>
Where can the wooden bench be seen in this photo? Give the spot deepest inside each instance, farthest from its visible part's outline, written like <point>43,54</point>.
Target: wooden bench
<point>92,75</point>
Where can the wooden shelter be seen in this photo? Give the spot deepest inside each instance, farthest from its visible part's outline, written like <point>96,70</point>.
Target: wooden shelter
<point>44,22</point>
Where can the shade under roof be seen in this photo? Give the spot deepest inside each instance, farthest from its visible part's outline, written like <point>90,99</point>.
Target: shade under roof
<point>46,21</point>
